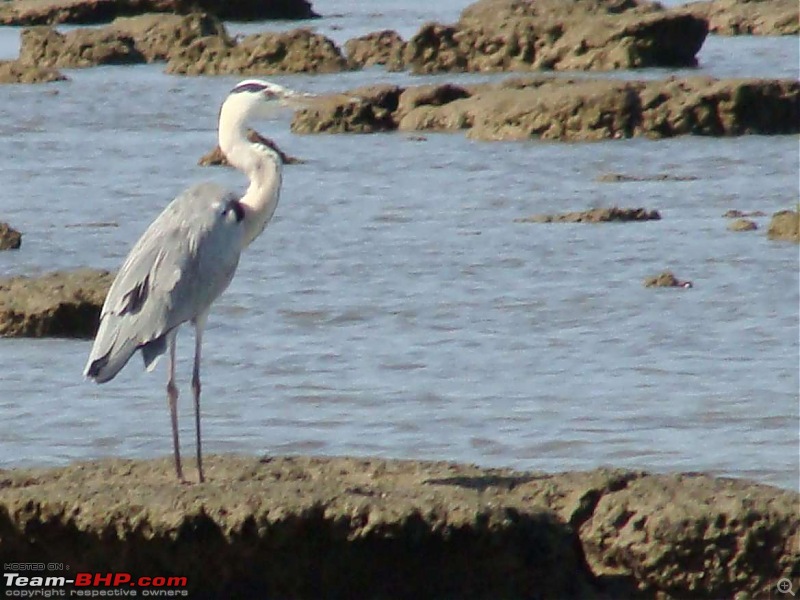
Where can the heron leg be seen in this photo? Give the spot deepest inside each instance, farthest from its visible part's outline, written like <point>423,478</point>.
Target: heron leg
<point>172,396</point>
<point>199,325</point>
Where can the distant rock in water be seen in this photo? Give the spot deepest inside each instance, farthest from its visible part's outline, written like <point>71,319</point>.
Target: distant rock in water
<point>738,214</point>
<point>217,158</point>
<point>748,17</point>
<point>310,527</point>
<point>568,109</point>
<point>60,304</point>
<point>509,35</point>
<point>10,238</point>
<point>131,40</point>
<point>596,215</point>
<point>742,225</point>
<point>378,48</point>
<point>269,53</point>
<point>620,177</point>
<point>194,44</point>
<point>666,279</point>
<point>15,71</point>
<point>49,12</point>
<point>785,225</point>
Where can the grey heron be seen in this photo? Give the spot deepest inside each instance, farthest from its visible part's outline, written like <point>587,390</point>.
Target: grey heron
<point>189,254</point>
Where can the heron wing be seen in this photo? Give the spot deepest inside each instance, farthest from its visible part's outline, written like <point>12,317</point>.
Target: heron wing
<point>182,263</point>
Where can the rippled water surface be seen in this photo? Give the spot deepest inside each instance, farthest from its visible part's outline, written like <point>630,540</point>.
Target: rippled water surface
<point>395,308</point>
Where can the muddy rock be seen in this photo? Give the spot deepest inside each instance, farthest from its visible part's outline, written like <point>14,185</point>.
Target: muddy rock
<point>10,238</point>
<point>724,531</point>
<point>378,48</point>
<point>157,37</point>
<point>364,110</point>
<point>742,225</point>
<point>369,528</point>
<point>217,158</point>
<point>48,12</point>
<point>130,40</point>
<point>596,215</point>
<point>203,56</point>
<point>623,178</point>
<point>738,214</point>
<point>429,95</point>
<point>296,51</point>
<point>666,279</point>
<point>44,46</point>
<point>61,304</point>
<point>748,17</point>
<point>576,109</point>
<point>16,71</point>
<point>505,35</point>
<point>706,106</point>
<point>785,225</point>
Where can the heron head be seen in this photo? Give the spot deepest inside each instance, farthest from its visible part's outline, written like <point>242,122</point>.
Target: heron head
<point>261,98</point>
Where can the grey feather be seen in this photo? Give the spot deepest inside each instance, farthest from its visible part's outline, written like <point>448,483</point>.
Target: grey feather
<point>180,265</point>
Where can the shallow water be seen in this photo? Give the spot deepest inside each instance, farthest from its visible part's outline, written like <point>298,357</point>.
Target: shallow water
<point>395,308</point>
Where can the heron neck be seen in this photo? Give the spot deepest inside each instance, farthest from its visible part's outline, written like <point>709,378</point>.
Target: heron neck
<point>263,168</point>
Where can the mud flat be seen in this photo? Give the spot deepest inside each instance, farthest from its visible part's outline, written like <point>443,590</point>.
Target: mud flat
<point>305,527</point>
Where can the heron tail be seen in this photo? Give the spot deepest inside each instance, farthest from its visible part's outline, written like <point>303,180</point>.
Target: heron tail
<point>106,366</point>
<point>106,360</point>
<point>110,352</point>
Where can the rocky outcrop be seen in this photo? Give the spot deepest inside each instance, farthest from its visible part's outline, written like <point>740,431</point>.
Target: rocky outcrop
<point>711,527</point>
<point>301,527</point>
<point>748,17</point>
<point>61,304</point>
<point>217,158</point>
<point>624,178</point>
<point>666,279</point>
<point>363,110</point>
<point>43,45</point>
<point>785,225</point>
<point>510,35</point>
<point>10,238</point>
<point>48,12</point>
<point>379,48</point>
<point>566,109</point>
<point>742,225</point>
<point>596,215</point>
<point>146,38</point>
<point>157,37</point>
<point>738,214</point>
<point>296,51</point>
<point>16,71</point>
<point>195,44</point>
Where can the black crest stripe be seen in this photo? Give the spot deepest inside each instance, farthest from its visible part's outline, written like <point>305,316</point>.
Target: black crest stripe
<point>248,87</point>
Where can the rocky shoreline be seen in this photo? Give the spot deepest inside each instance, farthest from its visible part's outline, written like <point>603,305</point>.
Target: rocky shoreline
<point>302,527</point>
<point>49,12</point>
<point>10,238</point>
<point>742,17</point>
<point>59,304</point>
<point>556,108</point>
<point>490,36</point>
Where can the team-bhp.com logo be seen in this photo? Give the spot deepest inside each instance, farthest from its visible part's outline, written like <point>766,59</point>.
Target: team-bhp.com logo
<point>24,584</point>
